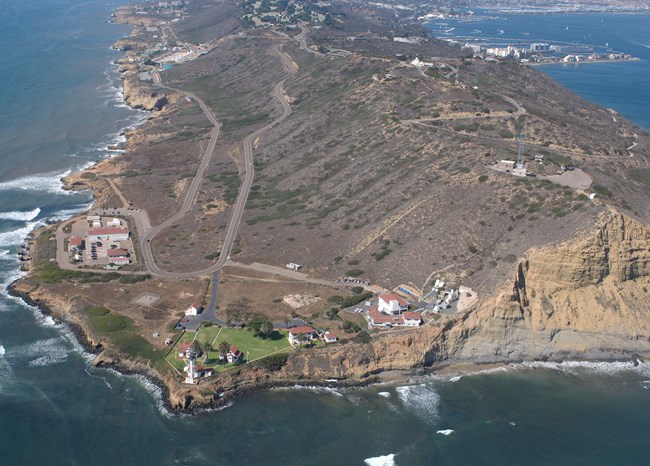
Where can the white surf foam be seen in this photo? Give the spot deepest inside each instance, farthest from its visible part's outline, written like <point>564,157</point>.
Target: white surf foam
<point>48,182</point>
<point>605,368</point>
<point>386,460</point>
<point>384,394</point>
<point>422,400</point>
<point>2,350</point>
<point>20,216</point>
<point>65,214</point>
<point>313,388</point>
<point>445,432</point>
<point>17,236</point>
<point>40,353</point>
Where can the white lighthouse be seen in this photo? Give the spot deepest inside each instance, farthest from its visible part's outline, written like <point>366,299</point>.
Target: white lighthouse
<point>190,378</point>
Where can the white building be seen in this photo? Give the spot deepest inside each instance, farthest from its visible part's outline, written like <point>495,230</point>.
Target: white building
<point>194,309</point>
<point>390,303</point>
<point>115,223</point>
<point>293,266</point>
<point>111,234</point>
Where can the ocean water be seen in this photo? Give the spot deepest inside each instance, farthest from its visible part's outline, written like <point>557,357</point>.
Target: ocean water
<point>622,86</point>
<point>61,109</point>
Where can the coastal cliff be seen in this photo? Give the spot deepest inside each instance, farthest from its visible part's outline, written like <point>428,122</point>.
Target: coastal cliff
<point>584,299</point>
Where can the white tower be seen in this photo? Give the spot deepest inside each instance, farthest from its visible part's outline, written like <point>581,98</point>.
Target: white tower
<point>190,377</point>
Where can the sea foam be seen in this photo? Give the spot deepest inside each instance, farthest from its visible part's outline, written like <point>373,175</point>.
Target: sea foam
<point>17,236</point>
<point>422,400</point>
<point>20,216</point>
<point>386,460</point>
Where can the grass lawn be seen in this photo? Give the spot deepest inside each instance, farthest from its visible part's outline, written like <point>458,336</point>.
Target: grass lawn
<point>253,347</point>
<point>123,335</point>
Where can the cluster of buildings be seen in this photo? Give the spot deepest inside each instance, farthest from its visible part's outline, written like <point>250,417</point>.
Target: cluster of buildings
<point>392,311</point>
<point>542,52</point>
<point>306,334</point>
<point>440,298</point>
<point>105,241</point>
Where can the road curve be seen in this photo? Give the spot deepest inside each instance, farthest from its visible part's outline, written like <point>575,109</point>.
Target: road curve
<point>240,203</point>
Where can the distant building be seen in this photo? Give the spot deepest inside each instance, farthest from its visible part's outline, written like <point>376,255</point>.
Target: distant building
<point>111,234</point>
<point>329,337</point>
<point>234,355</point>
<point>505,165</point>
<point>185,350</point>
<point>390,303</point>
<point>118,256</point>
<point>75,243</point>
<point>293,266</point>
<point>194,309</point>
<point>297,333</point>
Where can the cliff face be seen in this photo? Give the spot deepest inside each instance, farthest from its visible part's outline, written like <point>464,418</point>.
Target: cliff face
<point>139,96</point>
<point>586,299</point>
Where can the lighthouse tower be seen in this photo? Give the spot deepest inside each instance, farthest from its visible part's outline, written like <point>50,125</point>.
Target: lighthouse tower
<point>191,375</point>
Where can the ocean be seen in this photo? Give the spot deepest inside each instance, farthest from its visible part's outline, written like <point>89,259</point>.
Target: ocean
<point>62,108</point>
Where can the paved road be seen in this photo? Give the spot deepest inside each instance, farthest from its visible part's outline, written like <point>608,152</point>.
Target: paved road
<point>240,203</point>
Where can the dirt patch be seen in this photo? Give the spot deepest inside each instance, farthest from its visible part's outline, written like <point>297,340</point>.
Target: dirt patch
<point>297,301</point>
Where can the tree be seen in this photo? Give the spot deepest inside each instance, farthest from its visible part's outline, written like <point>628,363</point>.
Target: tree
<point>266,328</point>
<point>256,324</point>
<point>196,345</point>
<point>207,347</point>
<point>224,348</point>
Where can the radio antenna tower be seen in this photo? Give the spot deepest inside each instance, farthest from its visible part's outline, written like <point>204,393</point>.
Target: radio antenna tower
<point>520,149</point>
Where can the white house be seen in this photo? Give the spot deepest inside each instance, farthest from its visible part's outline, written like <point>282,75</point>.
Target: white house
<point>234,355</point>
<point>298,333</point>
<point>329,337</point>
<point>390,303</point>
<point>111,234</point>
<point>293,266</point>
<point>194,309</point>
<point>412,319</point>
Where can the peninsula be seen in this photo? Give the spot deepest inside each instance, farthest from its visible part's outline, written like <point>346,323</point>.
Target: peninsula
<point>326,194</point>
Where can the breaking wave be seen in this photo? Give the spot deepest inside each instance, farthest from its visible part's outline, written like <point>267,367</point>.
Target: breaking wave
<point>17,236</point>
<point>48,182</point>
<point>21,216</point>
<point>422,400</point>
<point>386,460</point>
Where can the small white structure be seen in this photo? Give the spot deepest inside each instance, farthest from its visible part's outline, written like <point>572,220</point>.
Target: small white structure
<point>115,223</point>
<point>293,266</point>
<point>329,337</point>
<point>506,165</point>
<point>234,355</point>
<point>390,303</point>
<point>420,64</point>
<point>194,309</point>
<point>111,234</point>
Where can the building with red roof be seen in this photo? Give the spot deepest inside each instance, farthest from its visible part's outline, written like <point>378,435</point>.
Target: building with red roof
<point>75,243</point>
<point>234,355</point>
<point>391,303</point>
<point>194,309</point>
<point>298,335</point>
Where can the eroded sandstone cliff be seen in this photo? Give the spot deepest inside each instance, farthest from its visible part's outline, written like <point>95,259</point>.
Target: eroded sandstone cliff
<point>585,299</point>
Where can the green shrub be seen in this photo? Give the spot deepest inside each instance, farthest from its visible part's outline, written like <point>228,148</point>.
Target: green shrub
<point>273,363</point>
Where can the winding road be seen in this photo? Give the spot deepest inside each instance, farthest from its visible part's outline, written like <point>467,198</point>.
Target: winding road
<point>244,191</point>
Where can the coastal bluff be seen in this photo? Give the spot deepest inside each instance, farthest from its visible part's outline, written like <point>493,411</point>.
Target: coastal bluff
<point>583,299</point>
